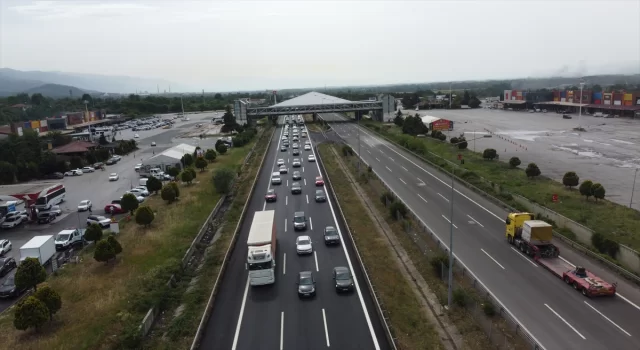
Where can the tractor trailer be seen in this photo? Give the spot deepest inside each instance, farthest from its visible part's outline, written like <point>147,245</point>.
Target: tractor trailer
<point>261,244</point>
<point>533,238</point>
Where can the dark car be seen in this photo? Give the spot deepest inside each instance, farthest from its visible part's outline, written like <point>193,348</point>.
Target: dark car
<point>342,277</point>
<point>6,265</point>
<point>297,175</point>
<point>320,196</point>
<point>111,161</point>
<point>46,217</point>
<point>306,284</point>
<point>296,152</point>
<point>331,235</point>
<point>8,289</point>
<point>283,149</point>
<point>271,196</point>
<point>55,176</point>
<point>296,188</point>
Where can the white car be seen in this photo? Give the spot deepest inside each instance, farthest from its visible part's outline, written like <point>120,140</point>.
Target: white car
<point>5,246</point>
<point>88,169</point>
<point>296,163</point>
<point>75,172</point>
<point>100,220</point>
<point>153,144</point>
<point>138,196</point>
<point>136,136</point>
<point>304,245</point>
<point>280,162</point>
<point>312,158</point>
<point>12,221</point>
<point>307,147</point>
<point>85,205</point>
<point>284,169</point>
<point>113,177</point>
<point>137,167</point>
<point>139,192</point>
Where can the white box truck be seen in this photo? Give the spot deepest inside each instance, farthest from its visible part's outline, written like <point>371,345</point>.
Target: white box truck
<point>40,247</point>
<point>261,259</point>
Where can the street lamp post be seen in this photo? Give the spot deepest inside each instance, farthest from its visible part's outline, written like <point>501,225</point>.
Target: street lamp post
<point>580,108</point>
<point>634,187</point>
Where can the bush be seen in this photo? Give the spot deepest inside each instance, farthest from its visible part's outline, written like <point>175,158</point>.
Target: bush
<point>176,189</point>
<point>172,171</point>
<point>154,184</point>
<point>113,242</point>
<point>514,162</point>
<point>30,273</point>
<point>585,188</point>
<point>30,313</point>
<point>460,297</point>
<point>221,148</point>
<point>442,137</point>
<point>192,171</point>
<point>387,198</point>
<point>605,245</point>
<point>462,143</point>
<point>168,194</point>
<point>532,170</point>
<point>129,202</point>
<point>396,208</point>
<point>223,180</point>
<point>489,154</point>
<point>488,308</point>
<point>93,233</point>
<point>347,151</point>
<point>50,298</point>
<point>144,215</point>
<point>453,140</point>
<point>201,163</point>
<point>104,252</point>
<point>187,160</point>
<point>598,191</point>
<point>210,155</point>
<point>438,262</point>
<point>570,179</point>
<point>186,176</point>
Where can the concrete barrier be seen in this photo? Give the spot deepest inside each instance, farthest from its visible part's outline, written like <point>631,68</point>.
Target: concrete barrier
<point>203,229</point>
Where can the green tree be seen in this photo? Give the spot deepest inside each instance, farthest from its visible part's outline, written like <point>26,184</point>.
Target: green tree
<point>30,313</point>
<point>7,172</point>
<point>176,188</point>
<point>570,179</point>
<point>93,233</point>
<point>154,184</point>
<point>514,162</point>
<point>86,97</point>
<point>38,99</point>
<point>221,148</point>
<point>598,191</point>
<point>173,171</point>
<point>201,163</point>
<point>474,102</point>
<point>223,180</point>
<point>168,194</point>
<point>586,188</point>
<point>532,170</point>
<point>104,252</point>
<point>186,176</point>
<point>187,160</point>
<point>113,242</point>
<point>50,298</point>
<point>489,154</point>
<point>462,143</point>
<point>75,162</point>
<point>398,120</point>
<point>103,140</point>
<point>466,98</point>
<point>129,202</point>
<point>193,172</point>
<point>30,273</point>
<point>228,119</point>
<point>144,215</point>
<point>210,155</point>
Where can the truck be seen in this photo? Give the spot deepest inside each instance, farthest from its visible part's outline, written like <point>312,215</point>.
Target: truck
<point>69,237</point>
<point>42,248</point>
<point>261,244</point>
<point>534,238</point>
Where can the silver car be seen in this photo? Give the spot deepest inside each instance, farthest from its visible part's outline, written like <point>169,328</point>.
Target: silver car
<point>304,245</point>
<point>297,175</point>
<point>296,163</point>
<point>306,284</point>
<point>296,188</point>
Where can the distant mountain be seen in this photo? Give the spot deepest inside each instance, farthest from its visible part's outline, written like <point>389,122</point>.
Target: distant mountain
<point>57,91</point>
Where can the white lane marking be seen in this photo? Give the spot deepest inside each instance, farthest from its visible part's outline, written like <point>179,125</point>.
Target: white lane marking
<point>405,169</point>
<point>264,206</point>
<point>285,225</point>
<point>490,257</point>
<point>305,182</point>
<point>287,183</point>
<point>607,318</point>
<point>288,160</point>
<point>420,180</point>
<point>449,221</point>
<point>402,181</point>
<point>393,160</point>
<point>281,330</point>
<point>303,169</point>
<point>388,168</point>
<point>310,224</point>
<point>369,151</point>
<point>284,264</point>
<point>315,257</point>
<point>524,256</point>
<point>476,221</point>
<point>307,198</point>
<point>244,301</point>
<point>286,200</point>
<point>377,159</point>
<point>565,322</point>
<point>326,330</point>
<point>422,198</point>
<point>381,151</point>
<point>443,197</point>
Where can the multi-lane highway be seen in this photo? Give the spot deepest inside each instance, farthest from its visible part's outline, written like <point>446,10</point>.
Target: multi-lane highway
<point>273,317</point>
<point>556,315</point>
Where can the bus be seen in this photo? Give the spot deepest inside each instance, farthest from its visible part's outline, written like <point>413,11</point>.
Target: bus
<point>53,195</point>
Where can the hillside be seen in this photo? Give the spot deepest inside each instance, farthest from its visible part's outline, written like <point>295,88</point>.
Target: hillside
<point>57,91</point>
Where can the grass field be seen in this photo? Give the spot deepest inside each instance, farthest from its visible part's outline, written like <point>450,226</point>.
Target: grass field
<point>102,305</point>
<point>614,221</point>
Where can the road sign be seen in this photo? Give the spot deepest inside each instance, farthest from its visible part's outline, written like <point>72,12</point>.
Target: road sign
<point>554,198</point>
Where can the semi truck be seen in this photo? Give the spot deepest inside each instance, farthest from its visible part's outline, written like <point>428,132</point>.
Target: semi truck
<point>42,248</point>
<point>261,244</point>
<point>534,238</point>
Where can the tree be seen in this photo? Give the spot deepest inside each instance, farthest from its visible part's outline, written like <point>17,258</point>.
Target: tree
<point>104,252</point>
<point>514,162</point>
<point>176,189</point>
<point>154,184</point>
<point>532,170</point>
<point>187,160</point>
<point>113,242</point>
<point>193,172</point>
<point>462,143</point>
<point>103,140</point>
<point>598,191</point>
<point>50,298</point>
<point>75,162</point>
<point>466,99</point>
<point>38,99</point>
<point>228,119</point>
<point>30,273</point>
<point>586,188</point>
<point>173,171</point>
<point>398,120</point>
<point>474,102</point>
<point>201,163</point>
<point>186,176</point>
<point>221,148</point>
<point>489,154</point>
<point>93,233</point>
<point>210,155</point>
<point>168,194</point>
<point>570,179</point>
<point>86,97</point>
<point>223,180</point>
<point>30,313</point>
<point>144,215</point>
<point>129,202</point>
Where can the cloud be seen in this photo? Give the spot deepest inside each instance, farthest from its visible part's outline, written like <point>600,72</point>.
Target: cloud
<point>47,10</point>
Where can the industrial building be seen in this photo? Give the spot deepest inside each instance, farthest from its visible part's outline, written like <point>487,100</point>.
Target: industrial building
<point>168,158</point>
<point>435,123</point>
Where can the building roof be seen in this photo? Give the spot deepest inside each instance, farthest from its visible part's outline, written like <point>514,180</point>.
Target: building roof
<point>427,119</point>
<point>311,98</point>
<point>74,147</point>
<point>615,108</point>
<point>171,155</point>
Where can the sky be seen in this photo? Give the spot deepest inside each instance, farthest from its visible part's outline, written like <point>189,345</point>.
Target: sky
<point>246,45</point>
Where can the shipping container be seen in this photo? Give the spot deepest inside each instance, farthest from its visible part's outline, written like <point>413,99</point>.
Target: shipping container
<point>507,95</point>
<point>26,125</point>
<point>35,124</point>
<point>43,123</point>
<point>606,98</point>
<point>628,100</point>
<point>636,99</point>
<point>563,94</point>
<point>519,94</point>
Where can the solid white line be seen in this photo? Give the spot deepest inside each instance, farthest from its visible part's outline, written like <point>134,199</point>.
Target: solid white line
<point>524,256</point>
<point>454,225</point>
<point>405,169</point>
<point>377,159</point>
<point>607,318</point>
<point>388,168</point>
<point>628,301</point>
<point>422,198</point>
<point>326,330</point>
<point>490,257</point>
<point>565,322</point>
<point>402,181</point>
<point>393,160</point>
<point>285,225</point>
<point>244,301</point>
<point>281,330</point>
<point>264,206</point>
<point>443,197</point>
<point>476,221</point>
<point>286,200</point>
<point>315,257</point>
<point>310,224</point>
<point>307,198</point>
<point>284,264</point>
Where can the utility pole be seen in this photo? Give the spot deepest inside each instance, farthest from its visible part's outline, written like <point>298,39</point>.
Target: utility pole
<point>580,113</point>
<point>634,187</point>
<point>450,95</point>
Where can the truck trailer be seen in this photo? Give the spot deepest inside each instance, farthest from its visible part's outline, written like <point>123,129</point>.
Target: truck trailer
<point>40,247</point>
<point>534,238</point>
<point>261,244</point>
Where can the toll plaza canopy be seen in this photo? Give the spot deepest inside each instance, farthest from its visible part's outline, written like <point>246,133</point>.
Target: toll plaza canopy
<point>314,102</point>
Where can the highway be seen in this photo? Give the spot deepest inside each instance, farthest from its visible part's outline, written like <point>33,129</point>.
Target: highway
<point>556,315</point>
<point>273,317</point>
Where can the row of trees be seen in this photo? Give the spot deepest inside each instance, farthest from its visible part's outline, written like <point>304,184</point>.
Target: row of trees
<point>587,188</point>
<point>35,310</point>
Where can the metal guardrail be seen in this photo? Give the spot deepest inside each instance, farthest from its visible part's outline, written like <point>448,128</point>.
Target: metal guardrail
<point>374,296</point>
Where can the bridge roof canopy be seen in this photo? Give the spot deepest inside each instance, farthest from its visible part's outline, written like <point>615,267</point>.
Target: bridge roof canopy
<point>311,98</point>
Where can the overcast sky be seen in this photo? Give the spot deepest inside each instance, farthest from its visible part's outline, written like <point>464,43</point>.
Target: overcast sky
<point>220,45</point>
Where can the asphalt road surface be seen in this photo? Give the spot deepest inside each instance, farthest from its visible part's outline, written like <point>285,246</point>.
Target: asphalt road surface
<point>272,317</point>
<point>556,315</point>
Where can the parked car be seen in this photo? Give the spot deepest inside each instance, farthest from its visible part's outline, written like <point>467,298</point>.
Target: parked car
<point>88,169</point>
<point>75,172</point>
<point>113,209</point>
<point>55,209</point>
<point>12,221</point>
<point>8,289</point>
<point>55,176</point>
<point>6,265</point>
<point>85,205</point>
<point>137,167</point>
<point>139,197</point>
<point>46,217</point>
<point>100,220</point>
<point>142,190</point>
<point>153,144</point>
<point>5,246</point>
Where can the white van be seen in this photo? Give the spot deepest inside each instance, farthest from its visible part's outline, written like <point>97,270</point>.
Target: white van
<point>275,178</point>
<point>143,182</point>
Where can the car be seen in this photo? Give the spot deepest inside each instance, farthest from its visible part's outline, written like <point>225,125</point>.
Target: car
<point>85,205</point>
<point>113,177</point>
<point>312,158</point>
<point>308,142</point>
<point>138,196</point>
<point>280,162</point>
<point>343,279</point>
<point>296,152</point>
<point>304,245</point>
<point>284,138</point>
<point>88,169</point>
<point>104,222</point>
<point>54,209</point>
<point>8,288</point>
<point>307,147</point>
<point>295,139</point>
<point>75,172</point>
<point>297,175</point>
<point>320,196</point>
<point>284,169</point>
<point>136,136</point>
<point>275,178</point>
<point>306,284</point>
<point>271,196</point>
<point>113,209</point>
<point>296,188</point>
<point>12,221</point>
<point>5,246</point>
<point>296,163</point>
<point>283,148</point>
<point>319,181</point>
<point>299,221</point>
<point>110,161</point>
<point>138,192</point>
<point>6,265</point>
<point>142,190</point>
<point>138,167</point>
<point>46,217</point>
<point>331,236</point>
<point>153,144</point>
<point>295,145</point>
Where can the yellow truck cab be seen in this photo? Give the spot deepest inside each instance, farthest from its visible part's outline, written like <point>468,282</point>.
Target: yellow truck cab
<point>514,222</point>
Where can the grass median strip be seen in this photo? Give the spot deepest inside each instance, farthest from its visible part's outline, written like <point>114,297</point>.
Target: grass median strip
<point>103,304</point>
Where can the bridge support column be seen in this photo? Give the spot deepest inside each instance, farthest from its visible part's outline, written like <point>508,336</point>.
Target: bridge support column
<point>358,115</point>
<point>315,117</point>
